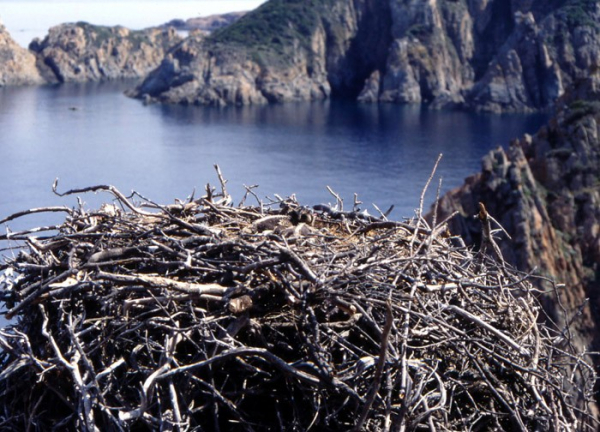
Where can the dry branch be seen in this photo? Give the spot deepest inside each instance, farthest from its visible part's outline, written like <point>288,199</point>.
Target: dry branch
<point>204,316</point>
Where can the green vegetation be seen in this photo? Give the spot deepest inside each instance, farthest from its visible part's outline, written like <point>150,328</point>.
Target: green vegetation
<point>273,23</point>
<point>268,32</point>
<point>581,108</point>
<point>573,14</point>
<point>102,33</point>
<point>576,13</point>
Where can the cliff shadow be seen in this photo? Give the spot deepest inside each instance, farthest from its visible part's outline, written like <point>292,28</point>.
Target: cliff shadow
<point>367,51</point>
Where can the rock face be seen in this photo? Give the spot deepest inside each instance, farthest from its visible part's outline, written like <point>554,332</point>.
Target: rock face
<point>544,190</point>
<point>492,55</point>
<point>543,54</point>
<point>17,65</point>
<point>83,52</point>
<point>283,51</point>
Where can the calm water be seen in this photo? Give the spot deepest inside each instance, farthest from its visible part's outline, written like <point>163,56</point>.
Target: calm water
<point>382,152</point>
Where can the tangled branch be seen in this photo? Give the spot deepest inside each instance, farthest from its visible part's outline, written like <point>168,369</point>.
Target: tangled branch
<point>204,316</point>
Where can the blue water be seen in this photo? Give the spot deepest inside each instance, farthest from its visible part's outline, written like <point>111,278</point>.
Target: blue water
<point>91,134</point>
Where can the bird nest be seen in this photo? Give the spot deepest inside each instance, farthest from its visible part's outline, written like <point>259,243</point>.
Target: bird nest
<point>206,316</point>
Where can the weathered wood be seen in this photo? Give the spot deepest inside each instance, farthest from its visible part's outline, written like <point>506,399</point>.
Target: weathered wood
<point>204,316</point>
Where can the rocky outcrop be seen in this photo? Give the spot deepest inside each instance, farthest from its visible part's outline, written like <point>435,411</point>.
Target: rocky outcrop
<point>283,51</point>
<point>17,65</point>
<point>544,190</point>
<point>492,55</point>
<point>429,57</point>
<point>542,56</point>
<point>183,72</point>
<point>489,55</point>
<point>83,52</point>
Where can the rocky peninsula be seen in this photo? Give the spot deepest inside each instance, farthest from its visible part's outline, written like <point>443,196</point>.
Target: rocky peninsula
<point>489,55</point>
<point>82,52</point>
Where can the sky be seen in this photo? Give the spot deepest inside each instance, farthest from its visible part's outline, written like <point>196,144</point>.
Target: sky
<point>26,19</point>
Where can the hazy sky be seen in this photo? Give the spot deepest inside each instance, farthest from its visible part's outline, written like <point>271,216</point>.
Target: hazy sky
<point>26,19</point>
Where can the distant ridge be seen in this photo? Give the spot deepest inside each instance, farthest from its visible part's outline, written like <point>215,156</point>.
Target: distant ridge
<point>491,56</point>
<point>81,52</point>
<point>207,24</point>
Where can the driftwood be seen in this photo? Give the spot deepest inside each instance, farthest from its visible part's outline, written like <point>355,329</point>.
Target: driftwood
<point>205,316</point>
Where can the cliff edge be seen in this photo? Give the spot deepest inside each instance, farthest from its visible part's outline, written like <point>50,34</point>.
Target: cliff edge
<point>205,24</point>
<point>487,55</point>
<point>81,52</point>
<point>17,64</point>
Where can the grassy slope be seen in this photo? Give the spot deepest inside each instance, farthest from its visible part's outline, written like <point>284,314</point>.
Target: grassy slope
<point>269,32</point>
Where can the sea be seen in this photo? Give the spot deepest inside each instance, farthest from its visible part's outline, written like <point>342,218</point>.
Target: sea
<point>92,134</point>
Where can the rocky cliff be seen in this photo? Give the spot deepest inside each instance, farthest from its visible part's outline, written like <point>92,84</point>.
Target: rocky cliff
<point>83,52</point>
<point>17,65</point>
<point>545,191</point>
<point>493,55</point>
<point>283,51</point>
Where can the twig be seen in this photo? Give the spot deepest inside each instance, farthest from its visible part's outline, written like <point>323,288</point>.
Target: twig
<point>339,202</point>
<point>424,191</point>
<point>523,351</point>
<point>389,321</point>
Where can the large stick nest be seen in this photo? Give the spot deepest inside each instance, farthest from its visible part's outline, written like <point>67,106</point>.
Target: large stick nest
<point>206,316</point>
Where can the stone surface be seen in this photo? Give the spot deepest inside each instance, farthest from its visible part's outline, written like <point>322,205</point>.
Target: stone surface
<point>83,52</point>
<point>490,55</point>
<point>17,65</point>
<point>185,72</point>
